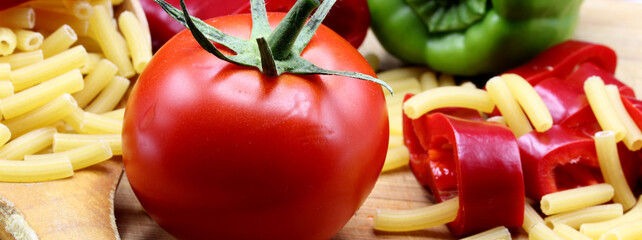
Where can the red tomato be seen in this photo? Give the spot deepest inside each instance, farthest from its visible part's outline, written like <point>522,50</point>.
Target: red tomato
<point>219,151</point>
<point>349,18</point>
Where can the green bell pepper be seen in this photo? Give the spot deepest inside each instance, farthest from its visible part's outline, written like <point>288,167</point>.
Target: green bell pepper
<point>471,37</point>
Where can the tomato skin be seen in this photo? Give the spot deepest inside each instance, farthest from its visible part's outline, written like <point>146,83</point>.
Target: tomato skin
<point>214,150</point>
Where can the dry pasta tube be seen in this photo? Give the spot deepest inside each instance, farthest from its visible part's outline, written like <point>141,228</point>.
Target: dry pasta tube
<point>41,94</point>
<point>81,9</point>
<point>393,141</point>
<point>410,85</point>
<point>51,20</point>
<point>111,42</point>
<point>110,96</point>
<point>428,80</point>
<point>416,219</point>
<point>29,143</point>
<point>46,115</point>
<point>468,84</point>
<point>120,115</point>
<point>396,158</point>
<point>138,44</point>
<point>22,59</point>
<point>396,126</point>
<point>28,40</point>
<point>569,233</point>
<point>630,230</point>
<point>497,233</point>
<point>531,217</point>
<point>607,156</point>
<point>633,137</point>
<point>95,81</point>
<point>508,106</point>
<point>6,88</point>
<point>35,171</point>
<point>497,119</point>
<point>5,71</point>
<point>595,230</point>
<point>576,198</point>
<point>602,108</point>
<point>18,17</point>
<point>67,141</point>
<point>75,118</point>
<point>92,61</point>
<point>530,101</point>
<point>8,41</point>
<point>540,231</point>
<point>59,41</point>
<point>404,72</point>
<point>586,215</point>
<point>448,97</point>
<point>96,124</point>
<point>80,157</point>
<point>49,68</point>
<point>5,134</point>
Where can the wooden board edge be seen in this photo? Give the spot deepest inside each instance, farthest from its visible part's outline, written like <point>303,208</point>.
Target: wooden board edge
<point>13,225</point>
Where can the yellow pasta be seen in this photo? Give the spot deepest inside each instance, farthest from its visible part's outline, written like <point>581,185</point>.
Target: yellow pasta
<point>80,157</point>
<point>59,41</point>
<point>81,9</point>
<point>595,230</point>
<point>29,143</point>
<point>95,81</point>
<point>586,215</point>
<point>35,171</point>
<point>428,80</point>
<point>110,96</point>
<point>576,198</point>
<point>607,156</point>
<point>5,71</point>
<point>49,68</point>
<point>43,116</point>
<point>497,233</point>
<point>446,80</point>
<point>399,73</point>
<point>90,44</point>
<point>96,124</point>
<point>508,106</point>
<point>569,233</point>
<point>92,60</point>
<point>117,2</point>
<point>8,41</point>
<point>67,141</point>
<point>18,17</point>
<point>28,40</point>
<point>50,21</point>
<point>602,108</point>
<point>120,115</point>
<point>75,118</point>
<point>6,88</point>
<point>22,59</point>
<point>393,141</point>
<point>396,158</point>
<point>406,85</point>
<point>416,219</point>
<point>468,84</point>
<point>5,134</point>
<point>40,94</point>
<point>137,42</point>
<point>540,231</point>
<point>448,97</point>
<point>531,217</point>
<point>395,126</point>
<point>630,230</point>
<point>633,137</point>
<point>497,119</point>
<point>105,3</point>
<point>110,41</point>
<point>530,101</point>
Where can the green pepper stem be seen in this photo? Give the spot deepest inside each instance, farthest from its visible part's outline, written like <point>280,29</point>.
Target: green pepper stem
<point>268,66</point>
<point>283,37</point>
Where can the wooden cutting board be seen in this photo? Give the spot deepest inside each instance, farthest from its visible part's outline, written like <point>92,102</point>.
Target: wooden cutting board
<point>615,23</point>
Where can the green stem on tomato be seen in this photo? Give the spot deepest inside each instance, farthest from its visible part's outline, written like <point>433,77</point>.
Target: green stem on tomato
<point>283,37</point>
<point>268,66</point>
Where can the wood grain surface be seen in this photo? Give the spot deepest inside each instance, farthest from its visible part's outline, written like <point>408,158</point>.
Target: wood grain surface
<point>617,24</point>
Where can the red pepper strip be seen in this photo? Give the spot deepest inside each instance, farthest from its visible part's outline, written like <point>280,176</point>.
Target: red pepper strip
<point>564,97</point>
<point>563,158</point>
<point>634,108</point>
<point>484,159</point>
<point>560,60</point>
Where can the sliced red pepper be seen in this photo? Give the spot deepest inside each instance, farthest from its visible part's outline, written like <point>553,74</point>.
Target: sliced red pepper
<point>564,97</point>
<point>475,160</point>
<point>564,158</point>
<point>562,59</point>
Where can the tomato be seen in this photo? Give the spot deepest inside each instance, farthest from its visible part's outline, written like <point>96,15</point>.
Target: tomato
<point>218,151</point>
<point>349,18</point>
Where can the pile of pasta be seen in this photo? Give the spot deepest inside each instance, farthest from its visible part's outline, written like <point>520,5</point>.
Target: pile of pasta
<point>602,211</point>
<point>65,70</point>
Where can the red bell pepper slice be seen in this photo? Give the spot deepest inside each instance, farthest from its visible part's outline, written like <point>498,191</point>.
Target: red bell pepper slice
<point>564,158</point>
<point>475,160</point>
<point>562,59</point>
